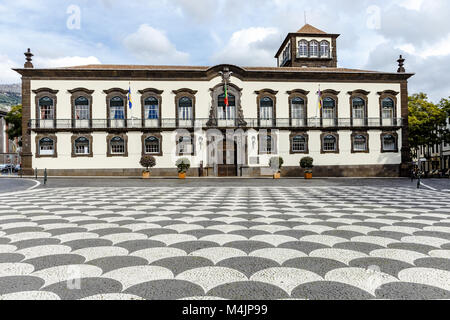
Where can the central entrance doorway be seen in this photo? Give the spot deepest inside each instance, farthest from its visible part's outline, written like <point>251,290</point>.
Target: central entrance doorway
<point>228,166</point>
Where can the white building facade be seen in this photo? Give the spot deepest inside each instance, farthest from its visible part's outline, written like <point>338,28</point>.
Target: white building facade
<point>78,120</point>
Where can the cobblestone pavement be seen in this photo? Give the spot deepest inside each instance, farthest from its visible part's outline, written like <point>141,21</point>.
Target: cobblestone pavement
<point>225,243</point>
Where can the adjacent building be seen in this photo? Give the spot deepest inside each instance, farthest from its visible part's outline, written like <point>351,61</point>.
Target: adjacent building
<point>227,120</point>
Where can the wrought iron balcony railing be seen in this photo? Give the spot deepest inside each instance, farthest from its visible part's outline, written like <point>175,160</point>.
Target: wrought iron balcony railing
<point>100,124</point>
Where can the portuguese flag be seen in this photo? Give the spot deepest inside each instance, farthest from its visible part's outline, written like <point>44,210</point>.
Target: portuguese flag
<point>226,96</point>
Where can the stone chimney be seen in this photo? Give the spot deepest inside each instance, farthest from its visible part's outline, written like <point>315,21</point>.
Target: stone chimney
<point>401,61</point>
<point>28,64</point>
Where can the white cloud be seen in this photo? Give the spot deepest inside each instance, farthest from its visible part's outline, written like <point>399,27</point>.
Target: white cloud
<point>250,47</point>
<point>199,10</point>
<point>152,46</point>
<point>6,74</point>
<point>42,62</point>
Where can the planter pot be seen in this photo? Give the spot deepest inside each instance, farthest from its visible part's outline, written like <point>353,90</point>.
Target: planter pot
<point>146,174</point>
<point>182,175</point>
<point>277,175</point>
<point>308,175</point>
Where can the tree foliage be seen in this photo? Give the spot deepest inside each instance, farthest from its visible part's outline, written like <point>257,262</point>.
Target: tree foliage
<point>427,121</point>
<point>147,161</point>
<point>14,120</point>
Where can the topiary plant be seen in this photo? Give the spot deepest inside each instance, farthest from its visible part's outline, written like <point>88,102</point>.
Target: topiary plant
<point>276,163</point>
<point>147,161</point>
<point>183,165</point>
<point>307,164</point>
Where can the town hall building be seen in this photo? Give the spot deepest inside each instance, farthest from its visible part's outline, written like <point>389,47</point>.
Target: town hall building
<point>79,120</point>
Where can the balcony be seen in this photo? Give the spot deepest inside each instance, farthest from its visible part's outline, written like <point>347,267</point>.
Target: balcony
<point>170,124</point>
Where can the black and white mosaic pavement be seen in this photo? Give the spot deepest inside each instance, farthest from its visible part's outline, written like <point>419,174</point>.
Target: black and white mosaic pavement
<point>225,243</point>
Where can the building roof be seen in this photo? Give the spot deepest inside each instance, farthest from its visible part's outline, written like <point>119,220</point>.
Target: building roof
<point>307,28</point>
<point>205,68</point>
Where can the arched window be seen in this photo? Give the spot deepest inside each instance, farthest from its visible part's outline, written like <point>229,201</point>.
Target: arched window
<point>329,108</point>
<point>298,108</point>
<point>389,142</point>
<point>266,108</point>
<point>299,144</point>
<point>151,108</point>
<point>117,145</point>
<point>303,48</point>
<point>358,106</point>
<point>152,145</point>
<point>324,49</point>
<point>46,147</point>
<point>81,145</point>
<point>46,108</point>
<point>313,49</point>
<point>359,143</point>
<point>185,108</point>
<point>117,108</point>
<point>81,108</point>
<point>387,108</point>
<point>224,112</point>
<point>329,143</point>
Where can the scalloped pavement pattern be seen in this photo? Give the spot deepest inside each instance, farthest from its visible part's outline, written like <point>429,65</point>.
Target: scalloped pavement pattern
<point>225,243</point>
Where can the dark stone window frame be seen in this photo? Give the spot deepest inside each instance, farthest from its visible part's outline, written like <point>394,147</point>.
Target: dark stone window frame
<point>330,93</point>
<point>55,145</point>
<point>360,133</point>
<point>388,94</point>
<point>291,142</point>
<point>389,133</point>
<point>116,92</point>
<point>364,95</point>
<point>274,137</point>
<point>237,93</point>
<point>75,94</point>
<point>147,93</point>
<point>74,138</point>
<point>184,134</point>
<point>41,93</point>
<point>180,93</point>
<point>272,94</point>
<point>152,134</point>
<point>298,93</point>
<point>108,145</point>
<point>328,133</point>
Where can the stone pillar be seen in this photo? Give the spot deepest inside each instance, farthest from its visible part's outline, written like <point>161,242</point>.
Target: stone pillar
<point>26,154</point>
<point>405,167</point>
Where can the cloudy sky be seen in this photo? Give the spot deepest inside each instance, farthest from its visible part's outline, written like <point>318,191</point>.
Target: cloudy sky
<point>242,32</point>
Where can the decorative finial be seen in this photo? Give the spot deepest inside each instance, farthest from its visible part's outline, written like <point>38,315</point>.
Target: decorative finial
<point>226,74</point>
<point>28,58</point>
<point>401,61</point>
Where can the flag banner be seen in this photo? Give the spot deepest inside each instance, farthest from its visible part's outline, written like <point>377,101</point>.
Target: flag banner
<point>319,93</point>
<point>226,95</point>
<point>130,102</point>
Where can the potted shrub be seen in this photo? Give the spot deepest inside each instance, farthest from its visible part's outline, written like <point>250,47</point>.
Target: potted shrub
<point>147,161</point>
<point>307,164</point>
<point>275,163</point>
<point>183,165</point>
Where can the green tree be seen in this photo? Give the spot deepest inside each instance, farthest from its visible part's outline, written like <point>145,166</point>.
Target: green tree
<point>426,121</point>
<point>14,120</point>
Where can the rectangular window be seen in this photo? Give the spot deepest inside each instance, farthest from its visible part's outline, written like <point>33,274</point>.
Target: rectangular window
<point>82,148</point>
<point>117,112</point>
<point>46,112</point>
<point>152,148</point>
<point>359,145</point>
<point>151,111</point>
<point>46,149</point>
<point>328,113</point>
<point>117,147</point>
<point>298,145</point>
<point>82,112</point>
